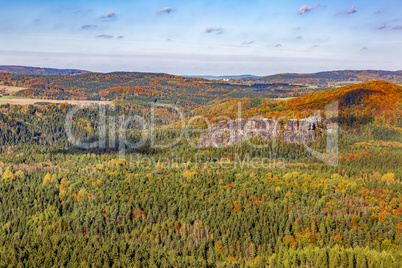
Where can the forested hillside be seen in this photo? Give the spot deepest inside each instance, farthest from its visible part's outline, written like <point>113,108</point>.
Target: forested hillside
<point>143,87</point>
<point>375,102</point>
<point>369,102</point>
<point>188,93</point>
<point>69,207</point>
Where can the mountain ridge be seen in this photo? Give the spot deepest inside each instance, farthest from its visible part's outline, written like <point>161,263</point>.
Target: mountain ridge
<point>16,69</point>
<point>333,77</point>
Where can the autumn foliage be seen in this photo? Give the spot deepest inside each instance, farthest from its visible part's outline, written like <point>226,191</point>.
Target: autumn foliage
<point>376,101</point>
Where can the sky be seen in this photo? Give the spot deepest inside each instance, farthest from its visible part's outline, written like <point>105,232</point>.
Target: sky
<point>211,37</point>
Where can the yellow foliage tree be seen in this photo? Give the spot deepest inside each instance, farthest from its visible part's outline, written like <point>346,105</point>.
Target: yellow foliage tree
<point>389,177</point>
<point>277,189</point>
<point>8,175</point>
<point>47,180</point>
<point>20,175</point>
<point>187,174</point>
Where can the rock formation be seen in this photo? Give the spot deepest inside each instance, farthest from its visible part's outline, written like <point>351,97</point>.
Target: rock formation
<point>302,130</point>
<point>237,131</point>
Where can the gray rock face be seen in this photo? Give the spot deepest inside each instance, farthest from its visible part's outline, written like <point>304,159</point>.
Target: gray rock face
<point>237,131</point>
<point>302,130</point>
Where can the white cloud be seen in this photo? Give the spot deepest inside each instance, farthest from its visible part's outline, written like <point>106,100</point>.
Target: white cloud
<point>166,10</point>
<point>382,26</point>
<point>218,30</point>
<point>352,10</point>
<point>105,36</point>
<point>306,9</point>
<point>88,26</point>
<point>109,16</point>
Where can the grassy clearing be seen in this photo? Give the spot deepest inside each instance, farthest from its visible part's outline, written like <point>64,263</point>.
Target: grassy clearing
<point>282,99</point>
<point>342,83</point>
<point>10,97</point>
<point>306,85</point>
<point>11,89</point>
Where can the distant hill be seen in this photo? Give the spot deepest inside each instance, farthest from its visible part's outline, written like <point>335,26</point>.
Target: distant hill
<point>335,78</point>
<point>187,92</point>
<point>38,70</point>
<point>143,87</point>
<point>369,102</point>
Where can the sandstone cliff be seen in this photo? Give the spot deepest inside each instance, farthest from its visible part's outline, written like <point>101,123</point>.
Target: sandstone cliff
<point>237,131</point>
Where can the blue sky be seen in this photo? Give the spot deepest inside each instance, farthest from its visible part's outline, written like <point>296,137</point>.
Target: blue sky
<point>203,37</point>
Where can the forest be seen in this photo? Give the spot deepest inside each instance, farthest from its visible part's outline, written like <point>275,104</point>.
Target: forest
<point>125,87</point>
<point>187,206</point>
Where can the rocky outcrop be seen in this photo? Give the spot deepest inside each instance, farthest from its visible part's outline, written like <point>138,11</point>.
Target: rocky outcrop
<point>236,131</point>
<point>233,132</point>
<point>301,130</point>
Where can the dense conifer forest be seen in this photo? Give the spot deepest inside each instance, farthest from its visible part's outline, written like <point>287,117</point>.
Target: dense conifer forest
<point>185,206</point>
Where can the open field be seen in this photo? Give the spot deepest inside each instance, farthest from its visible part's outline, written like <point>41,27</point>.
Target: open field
<point>11,89</point>
<point>305,85</point>
<point>283,99</point>
<point>346,83</point>
<point>10,97</point>
<point>26,101</point>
